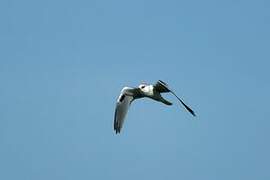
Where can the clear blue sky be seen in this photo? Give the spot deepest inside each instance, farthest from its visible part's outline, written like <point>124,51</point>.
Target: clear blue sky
<point>63,64</point>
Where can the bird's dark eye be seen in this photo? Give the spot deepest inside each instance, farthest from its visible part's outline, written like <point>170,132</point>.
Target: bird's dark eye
<point>142,87</point>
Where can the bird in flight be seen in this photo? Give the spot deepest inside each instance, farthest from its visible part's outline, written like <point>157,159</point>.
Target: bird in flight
<point>129,94</point>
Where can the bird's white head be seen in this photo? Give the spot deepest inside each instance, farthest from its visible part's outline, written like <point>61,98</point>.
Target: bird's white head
<point>146,89</point>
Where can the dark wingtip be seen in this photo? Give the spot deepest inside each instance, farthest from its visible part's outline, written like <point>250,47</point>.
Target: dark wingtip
<point>117,129</point>
<point>116,125</point>
<point>188,108</point>
<point>191,111</point>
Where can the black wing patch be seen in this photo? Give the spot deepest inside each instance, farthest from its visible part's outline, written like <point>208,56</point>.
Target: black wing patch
<point>122,97</point>
<point>161,87</point>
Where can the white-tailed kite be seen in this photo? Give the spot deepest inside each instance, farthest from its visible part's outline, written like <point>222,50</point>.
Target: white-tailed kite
<point>129,94</point>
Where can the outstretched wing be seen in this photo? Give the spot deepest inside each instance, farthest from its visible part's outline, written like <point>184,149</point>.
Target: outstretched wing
<point>122,105</point>
<point>162,87</point>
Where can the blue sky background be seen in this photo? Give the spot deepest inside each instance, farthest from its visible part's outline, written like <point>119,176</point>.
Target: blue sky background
<point>63,64</point>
